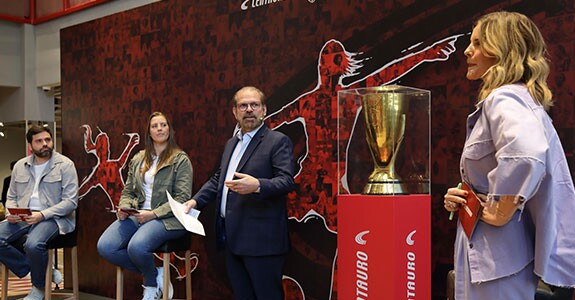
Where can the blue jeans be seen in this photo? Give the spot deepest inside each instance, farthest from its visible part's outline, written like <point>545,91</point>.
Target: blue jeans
<point>35,257</point>
<point>130,245</point>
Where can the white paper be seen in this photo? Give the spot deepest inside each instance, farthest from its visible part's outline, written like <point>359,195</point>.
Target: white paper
<point>189,220</point>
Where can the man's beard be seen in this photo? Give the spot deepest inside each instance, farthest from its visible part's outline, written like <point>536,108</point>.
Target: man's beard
<point>252,124</point>
<point>44,152</point>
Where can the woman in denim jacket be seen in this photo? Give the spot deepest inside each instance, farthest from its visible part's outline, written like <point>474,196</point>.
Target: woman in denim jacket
<point>145,220</point>
<point>513,158</point>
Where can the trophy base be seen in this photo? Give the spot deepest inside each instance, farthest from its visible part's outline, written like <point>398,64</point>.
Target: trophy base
<point>395,187</point>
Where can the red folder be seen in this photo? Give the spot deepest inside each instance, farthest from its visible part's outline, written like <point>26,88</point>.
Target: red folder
<point>470,214</point>
<point>130,211</point>
<point>20,211</point>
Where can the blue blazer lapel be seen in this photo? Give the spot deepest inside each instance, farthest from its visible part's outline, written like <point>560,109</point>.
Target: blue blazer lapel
<point>257,139</point>
<point>227,155</point>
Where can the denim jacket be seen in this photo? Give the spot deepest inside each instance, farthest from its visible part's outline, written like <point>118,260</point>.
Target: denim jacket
<point>57,190</point>
<point>512,148</point>
<point>175,177</point>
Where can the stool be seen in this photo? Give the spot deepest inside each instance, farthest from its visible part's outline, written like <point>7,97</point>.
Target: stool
<point>61,241</point>
<point>68,240</point>
<point>4,282</point>
<point>18,244</point>
<point>450,287</point>
<point>180,244</point>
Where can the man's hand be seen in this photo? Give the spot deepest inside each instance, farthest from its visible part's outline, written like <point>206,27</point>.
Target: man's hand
<point>12,219</point>
<point>34,218</point>
<point>245,184</point>
<point>192,203</point>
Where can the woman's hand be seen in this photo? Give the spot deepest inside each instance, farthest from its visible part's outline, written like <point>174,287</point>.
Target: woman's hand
<point>500,212</point>
<point>145,216</point>
<point>122,215</point>
<point>454,198</point>
<point>189,205</point>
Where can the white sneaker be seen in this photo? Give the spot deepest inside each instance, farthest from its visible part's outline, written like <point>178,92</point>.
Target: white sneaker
<point>160,282</point>
<point>56,276</point>
<point>152,293</point>
<point>35,294</point>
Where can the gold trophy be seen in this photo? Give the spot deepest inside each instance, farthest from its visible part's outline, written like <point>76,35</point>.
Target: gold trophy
<point>384,112</point>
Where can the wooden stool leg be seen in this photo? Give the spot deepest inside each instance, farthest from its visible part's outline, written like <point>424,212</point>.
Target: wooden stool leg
<point>188,275</point>
<point>119,283</point>
<point>4,282</point>
<point>75,282</point>
<point>49,271</point>
<point>166,283</point>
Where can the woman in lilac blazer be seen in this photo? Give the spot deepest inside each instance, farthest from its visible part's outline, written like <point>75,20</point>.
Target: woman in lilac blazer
<point>513,158</point>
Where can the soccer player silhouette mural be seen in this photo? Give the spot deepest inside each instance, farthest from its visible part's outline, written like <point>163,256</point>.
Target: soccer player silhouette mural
<point>107,173</point>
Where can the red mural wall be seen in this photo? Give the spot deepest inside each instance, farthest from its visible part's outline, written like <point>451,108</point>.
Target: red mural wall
<point>187,58</point>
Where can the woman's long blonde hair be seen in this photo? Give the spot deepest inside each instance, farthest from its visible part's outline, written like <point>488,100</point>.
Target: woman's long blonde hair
<point>520,53</point>
<point>166,156</point>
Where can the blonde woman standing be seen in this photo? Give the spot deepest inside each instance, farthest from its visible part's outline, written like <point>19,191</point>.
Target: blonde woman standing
<point>514,160</point>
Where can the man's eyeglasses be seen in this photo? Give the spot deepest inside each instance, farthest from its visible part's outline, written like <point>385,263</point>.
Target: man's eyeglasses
<point>244,106</point>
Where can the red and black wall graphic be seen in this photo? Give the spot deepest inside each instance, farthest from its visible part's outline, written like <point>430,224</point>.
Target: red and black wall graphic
<point>187,58</point>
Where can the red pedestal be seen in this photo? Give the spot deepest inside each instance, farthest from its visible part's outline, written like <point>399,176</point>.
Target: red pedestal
<point>384,247</point>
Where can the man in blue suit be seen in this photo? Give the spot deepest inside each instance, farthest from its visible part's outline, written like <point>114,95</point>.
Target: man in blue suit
<point>250,187</point>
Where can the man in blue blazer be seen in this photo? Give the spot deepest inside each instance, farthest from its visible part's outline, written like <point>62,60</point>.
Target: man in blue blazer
<point>250,187</point>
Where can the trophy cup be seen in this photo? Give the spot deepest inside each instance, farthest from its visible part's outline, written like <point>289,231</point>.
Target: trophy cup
<point>397,131</point>
<point>385,117</point>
